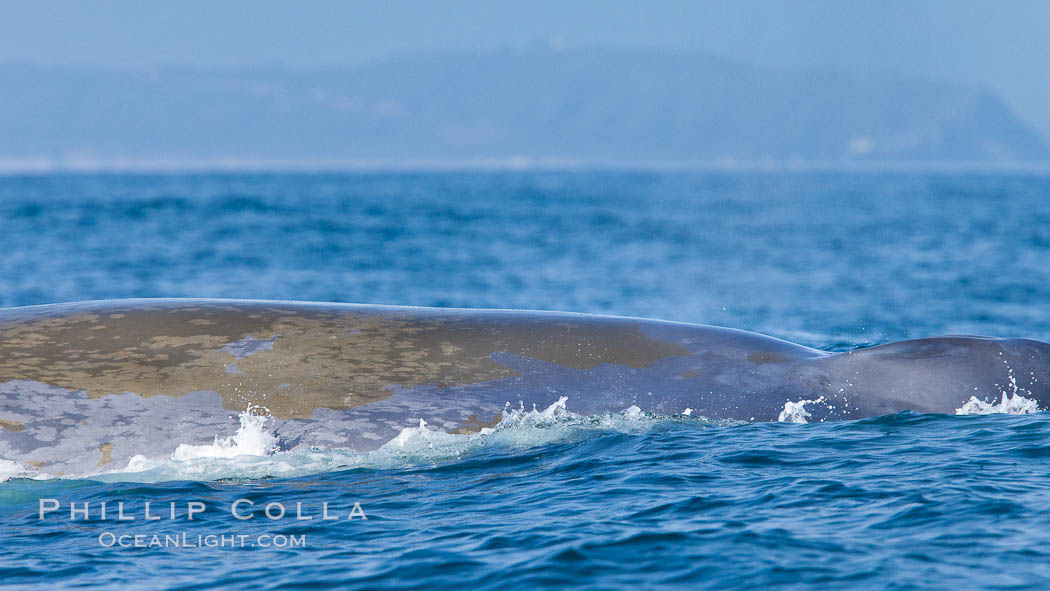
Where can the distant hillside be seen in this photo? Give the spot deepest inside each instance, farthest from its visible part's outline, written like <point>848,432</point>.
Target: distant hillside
<point>617,106</point>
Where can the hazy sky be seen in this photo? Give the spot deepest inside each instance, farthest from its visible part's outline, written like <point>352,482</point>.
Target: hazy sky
<point>1003,44</point>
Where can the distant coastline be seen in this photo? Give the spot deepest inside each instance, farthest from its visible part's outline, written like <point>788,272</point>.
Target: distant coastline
<point>14,167</point>
<point>506,109</point>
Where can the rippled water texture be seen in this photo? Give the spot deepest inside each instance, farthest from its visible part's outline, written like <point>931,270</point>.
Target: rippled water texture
<point>828,260</point>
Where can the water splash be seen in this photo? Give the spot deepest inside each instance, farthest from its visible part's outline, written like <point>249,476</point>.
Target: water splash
<point>9,469</point>
<point>251,439</point>
<point>250,453</point>
<point>519,428</point>
<point>1009,404</point>
<point>1012,401</point>
<point>795,412</point>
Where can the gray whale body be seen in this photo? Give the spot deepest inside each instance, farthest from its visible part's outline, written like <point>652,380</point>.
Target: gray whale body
<point>89,385</point>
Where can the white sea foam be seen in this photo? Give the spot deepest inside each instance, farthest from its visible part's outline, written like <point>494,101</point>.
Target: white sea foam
<point>519,428</point>
<point>249,454</point>
<point>1012,402</point>
<point>795,412</point>
<point>9,469</point>
<point>1013,405</point>
<point>251,439</point>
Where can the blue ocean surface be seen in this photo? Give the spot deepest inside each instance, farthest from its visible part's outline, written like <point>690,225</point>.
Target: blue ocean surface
<point>550,498</point>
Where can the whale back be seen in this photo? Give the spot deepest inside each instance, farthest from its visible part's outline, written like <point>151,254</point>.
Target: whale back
<point>295,357</point>
<point>95,383</point>
<point>935,375</point>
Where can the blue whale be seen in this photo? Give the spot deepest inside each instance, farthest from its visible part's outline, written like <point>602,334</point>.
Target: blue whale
<point>90,385</point>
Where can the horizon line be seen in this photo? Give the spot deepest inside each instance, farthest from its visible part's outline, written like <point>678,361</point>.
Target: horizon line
<point>103,166</point>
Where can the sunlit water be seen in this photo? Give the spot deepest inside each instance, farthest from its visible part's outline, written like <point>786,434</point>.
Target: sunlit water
<point>549,497</point>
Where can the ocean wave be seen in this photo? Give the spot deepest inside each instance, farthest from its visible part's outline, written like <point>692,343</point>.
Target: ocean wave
<point>1013,400</point>
<point>795,412</point>
<point>1014,404</point>
<point>251,452</point>
<point>9,469</point>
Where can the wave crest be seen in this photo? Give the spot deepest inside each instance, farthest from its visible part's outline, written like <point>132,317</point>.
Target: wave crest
<point>251,452</point>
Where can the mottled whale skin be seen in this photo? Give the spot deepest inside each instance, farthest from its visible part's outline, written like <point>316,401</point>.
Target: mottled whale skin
<point>89,385</point>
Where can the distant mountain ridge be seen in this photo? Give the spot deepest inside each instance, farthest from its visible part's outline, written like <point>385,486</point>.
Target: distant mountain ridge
<point>599,105</point>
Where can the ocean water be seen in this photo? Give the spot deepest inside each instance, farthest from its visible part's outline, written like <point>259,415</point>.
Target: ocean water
<point>549,498</point>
